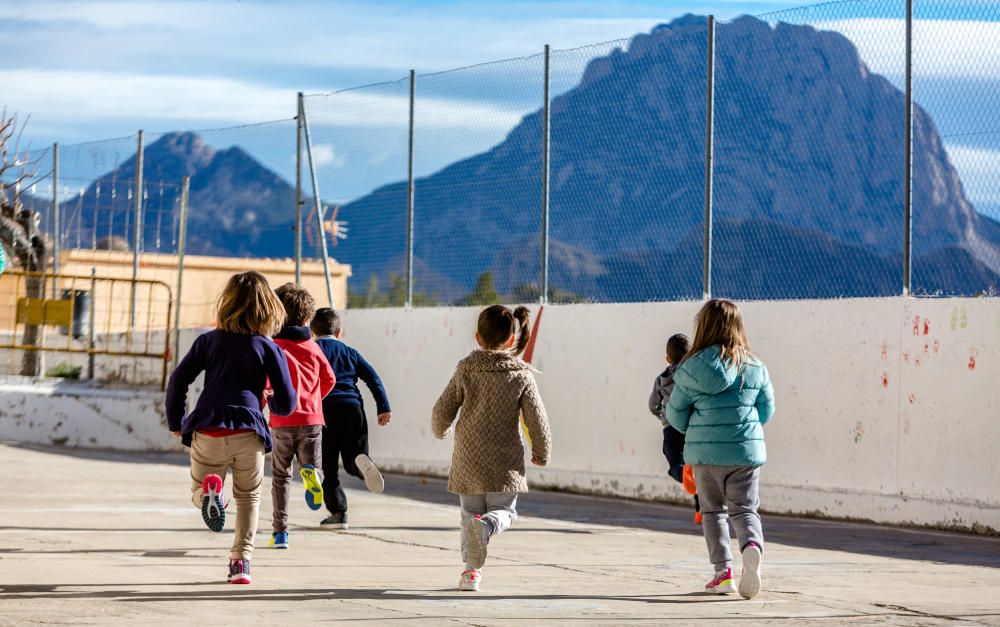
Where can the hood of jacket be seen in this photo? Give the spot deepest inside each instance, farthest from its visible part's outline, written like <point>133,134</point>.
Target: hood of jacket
<point>493,361</point>
<point>706,372</point>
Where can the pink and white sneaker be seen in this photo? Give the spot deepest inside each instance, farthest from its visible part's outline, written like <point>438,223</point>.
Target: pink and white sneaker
<point>213,510</point>
<point>470,581</point>
<point>239,571</point>
<point>722,584</point>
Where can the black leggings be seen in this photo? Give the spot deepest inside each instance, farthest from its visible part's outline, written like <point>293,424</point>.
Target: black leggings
<point>345,436</point>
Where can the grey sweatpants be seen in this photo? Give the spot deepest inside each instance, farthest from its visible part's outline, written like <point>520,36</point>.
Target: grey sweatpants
<point>728,492</point>
<point>496,507</point>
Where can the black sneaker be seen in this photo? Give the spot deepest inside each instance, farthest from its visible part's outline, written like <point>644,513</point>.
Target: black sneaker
<point>335,521</point>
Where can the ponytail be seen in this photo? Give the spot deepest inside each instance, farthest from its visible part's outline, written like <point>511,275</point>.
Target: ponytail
<point>498,323</point>
<point>523,317</point>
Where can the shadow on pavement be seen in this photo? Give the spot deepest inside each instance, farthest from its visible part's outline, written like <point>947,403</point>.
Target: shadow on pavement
<point>851,537</point>
<point>862,538</point>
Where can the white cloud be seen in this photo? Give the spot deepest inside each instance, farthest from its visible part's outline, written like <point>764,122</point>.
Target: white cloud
<point>324,155</point>
<point>979,169</point>
<point>941,48</point>
<point>83,96</point>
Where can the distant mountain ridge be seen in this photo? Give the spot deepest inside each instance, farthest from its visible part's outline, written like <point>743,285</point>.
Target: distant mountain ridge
<point>808,184</point>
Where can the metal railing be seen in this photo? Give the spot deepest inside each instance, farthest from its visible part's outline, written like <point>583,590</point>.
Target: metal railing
<point>89,317</point>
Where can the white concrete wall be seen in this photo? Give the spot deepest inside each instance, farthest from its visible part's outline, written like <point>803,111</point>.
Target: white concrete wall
<point>80,416</point>
<point>880,416</point>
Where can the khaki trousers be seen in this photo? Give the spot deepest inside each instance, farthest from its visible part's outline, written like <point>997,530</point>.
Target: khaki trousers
<point>244,454</point>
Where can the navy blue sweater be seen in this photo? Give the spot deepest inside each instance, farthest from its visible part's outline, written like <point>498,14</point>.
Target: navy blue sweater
<point>349,366</point>
<point>237,367</point>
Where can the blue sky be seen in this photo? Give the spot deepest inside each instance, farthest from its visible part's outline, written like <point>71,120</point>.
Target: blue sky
<point>89,70</point>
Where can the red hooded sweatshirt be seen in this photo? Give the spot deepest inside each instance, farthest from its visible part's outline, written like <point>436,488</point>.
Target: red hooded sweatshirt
<point>311,374</point>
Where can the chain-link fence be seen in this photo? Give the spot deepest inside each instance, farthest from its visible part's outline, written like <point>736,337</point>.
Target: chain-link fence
<point>756,158</point>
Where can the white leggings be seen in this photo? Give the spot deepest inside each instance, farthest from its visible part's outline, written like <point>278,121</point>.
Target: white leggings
<point>496,507</point>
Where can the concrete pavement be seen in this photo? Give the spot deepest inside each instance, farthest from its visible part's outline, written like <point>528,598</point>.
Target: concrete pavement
<point>91,538</point>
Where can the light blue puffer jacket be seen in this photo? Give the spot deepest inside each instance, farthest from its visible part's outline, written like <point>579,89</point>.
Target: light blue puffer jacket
<point>721,410</point>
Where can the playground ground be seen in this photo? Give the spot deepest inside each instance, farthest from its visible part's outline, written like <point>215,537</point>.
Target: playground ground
<point>101,538</point>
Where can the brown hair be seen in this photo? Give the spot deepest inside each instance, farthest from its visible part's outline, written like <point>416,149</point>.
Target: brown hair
<point>498,323</point>
<point>298,302</point>
<point>247,305</point>
<point>719,322</point>
<point>677,348</point>
<point>325,322</point>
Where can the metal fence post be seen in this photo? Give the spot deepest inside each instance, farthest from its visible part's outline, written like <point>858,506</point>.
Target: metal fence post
<point>93,323</point>
<point>320,212</point>
<point>298,191</point>
<point>709,155</point>
<point>409,196</point>
<point>56,230</point>
<point>546,118</point>
<point>908,157</point>
<point>137,232</point>
<point>181,244</point>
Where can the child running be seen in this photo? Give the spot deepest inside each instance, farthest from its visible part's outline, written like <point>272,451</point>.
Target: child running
<point>300,434</point>
<point>493,387</point>
<point>346,432</point>
<point>227,428</point>
<point>673,440</point>
<point>721,399</point>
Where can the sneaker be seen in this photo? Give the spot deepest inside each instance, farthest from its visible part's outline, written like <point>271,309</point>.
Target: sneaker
<point>373,478</point>
<point>477,538</point>
<point>314,486</point>
<point>334,521</point>
<point>470,581</point>
<point>279,540</point>
<point>213,511</point>
<point>750,579</point>
<point>722,584</point>
<point>239,571</point>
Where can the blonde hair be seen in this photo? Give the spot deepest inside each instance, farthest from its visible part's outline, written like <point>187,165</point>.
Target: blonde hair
<point>719,322</point>
<point>247,305</point>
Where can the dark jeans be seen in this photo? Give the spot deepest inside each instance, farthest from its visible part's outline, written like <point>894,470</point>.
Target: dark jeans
<point>345,437</point>
<point>673,450</point>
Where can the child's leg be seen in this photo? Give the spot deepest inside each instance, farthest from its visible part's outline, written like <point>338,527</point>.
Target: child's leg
<point>310,453</point>
<point>472,505</point>
<point>715,526</point>
<point>355,439</point>
<point>500,511</point>
<point>283,439</point>
<point>743,498</point>
<point>208,457</point>
<point>333,494</point>
<point>246,453</point>
<point>309,447</point>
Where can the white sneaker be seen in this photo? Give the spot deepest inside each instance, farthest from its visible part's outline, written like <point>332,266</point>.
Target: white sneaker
<point>750,579</point>
<point>476,541</point>
<point>470,581</point>
<point>373,478</point>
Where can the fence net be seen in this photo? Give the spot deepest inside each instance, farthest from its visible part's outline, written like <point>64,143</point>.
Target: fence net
<point>808,185</point>
<point>627,175</point>
<point>359,143</point>
<point>956,148</point>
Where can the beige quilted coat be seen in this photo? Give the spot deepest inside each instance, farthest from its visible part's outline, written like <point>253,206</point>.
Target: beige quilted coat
<point>493,389</point>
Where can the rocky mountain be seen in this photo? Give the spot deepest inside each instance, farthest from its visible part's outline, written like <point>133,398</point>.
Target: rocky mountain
<point>808,185</point>
<point>236,205</point>
<point>808,168</point>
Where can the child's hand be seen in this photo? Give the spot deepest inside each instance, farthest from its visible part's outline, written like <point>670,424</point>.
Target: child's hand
<point>268,393</point>
<point>176,434</point>
<point>536,461</point>
<point>383,419</point>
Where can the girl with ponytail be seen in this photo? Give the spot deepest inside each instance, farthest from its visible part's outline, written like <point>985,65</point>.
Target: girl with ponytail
<point>493,387</point>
